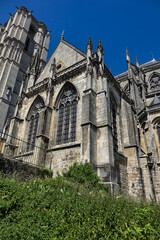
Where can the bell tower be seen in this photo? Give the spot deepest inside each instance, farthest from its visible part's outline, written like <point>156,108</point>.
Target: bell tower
<point>21,37</point>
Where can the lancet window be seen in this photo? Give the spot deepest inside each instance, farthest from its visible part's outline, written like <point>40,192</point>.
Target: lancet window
<point>156,127</point>
<point>33,126</point>
<point>67,116</point>
<point>158,131</point>
<point>29,44</point>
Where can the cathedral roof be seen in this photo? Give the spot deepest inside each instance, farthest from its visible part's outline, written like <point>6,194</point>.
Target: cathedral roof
<point>150,63</point>
<point>154,64</point>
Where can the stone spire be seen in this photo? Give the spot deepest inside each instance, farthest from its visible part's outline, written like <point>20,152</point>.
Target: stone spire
<point>127,55</point>
<point>137,62</point>
<point>100,48</point>
<point>89,67</point>
<point>89,48</point>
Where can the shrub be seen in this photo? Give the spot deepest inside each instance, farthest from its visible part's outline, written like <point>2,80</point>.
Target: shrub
<point>82,173</point>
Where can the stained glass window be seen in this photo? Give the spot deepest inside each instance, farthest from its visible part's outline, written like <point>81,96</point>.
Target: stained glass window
<point>33,126</point>
<point>67,117</point>
<point>158,130</point>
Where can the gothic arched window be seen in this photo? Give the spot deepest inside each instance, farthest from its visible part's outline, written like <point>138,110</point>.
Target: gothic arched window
<point>67,116</point>
<point>158,130</point>
<point>29,44</point>
<point>113,115</point>
<point>33,126</point>
<point>155,82</point>
<point>156,127</point>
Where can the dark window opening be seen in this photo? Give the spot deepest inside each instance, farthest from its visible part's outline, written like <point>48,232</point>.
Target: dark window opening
<point>26,44</point>
<point>33,127</point>
<point>158,131</point>
<point>59,67</point>
<point>67,117</point>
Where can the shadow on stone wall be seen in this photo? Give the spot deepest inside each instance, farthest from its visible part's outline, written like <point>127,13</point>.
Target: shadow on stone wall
<point>22,171</point>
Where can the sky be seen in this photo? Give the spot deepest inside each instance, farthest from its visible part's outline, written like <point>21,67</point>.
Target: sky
<point>117,23</point>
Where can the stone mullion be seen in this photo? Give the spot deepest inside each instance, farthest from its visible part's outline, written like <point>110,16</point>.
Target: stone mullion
<point>30,133</point>
<point>62,116</point>
<point>73,120</point>
<point>66,125</point>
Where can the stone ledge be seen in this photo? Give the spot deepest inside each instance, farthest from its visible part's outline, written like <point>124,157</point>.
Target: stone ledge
<point>63,146</point>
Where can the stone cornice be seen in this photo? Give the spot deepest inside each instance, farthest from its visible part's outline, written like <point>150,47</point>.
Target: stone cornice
<point>14,39</point>
<point>65,145</point>
<point>152,94</point>
<point>64,74</point>
<point>153,109</point>
<point>72,70</point>
<point>39,87</point>
<point>11,60</point>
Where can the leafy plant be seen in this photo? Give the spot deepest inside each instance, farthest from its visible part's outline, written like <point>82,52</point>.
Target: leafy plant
<point>82,173</point>
<point>61,209</point>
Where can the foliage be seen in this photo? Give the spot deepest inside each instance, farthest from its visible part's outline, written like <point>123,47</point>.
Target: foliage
<point>82,173</point>
<point>62,209</point>
<point>44,172</point>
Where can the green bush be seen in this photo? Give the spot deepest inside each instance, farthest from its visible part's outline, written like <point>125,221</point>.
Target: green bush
<point>82,173</point>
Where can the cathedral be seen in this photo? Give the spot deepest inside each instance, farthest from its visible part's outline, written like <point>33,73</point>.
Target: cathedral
<point>72,109</point>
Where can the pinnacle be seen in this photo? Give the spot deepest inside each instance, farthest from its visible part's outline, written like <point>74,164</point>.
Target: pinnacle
<point>137,62</point>
<point>89,45</point>
<point>127,53</point>
<point>89,41</point>
<point>62,36</point>
<point>100,46</point>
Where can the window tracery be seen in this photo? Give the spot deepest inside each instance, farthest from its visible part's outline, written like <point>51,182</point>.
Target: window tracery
<point>67,116</point>
<point>155,82</point>
<point>33,126</point>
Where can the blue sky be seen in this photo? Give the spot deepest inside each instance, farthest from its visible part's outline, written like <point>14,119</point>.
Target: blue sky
<point>117,23</point>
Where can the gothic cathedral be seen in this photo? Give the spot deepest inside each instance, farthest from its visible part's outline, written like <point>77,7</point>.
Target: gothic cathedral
<point>71,108</point>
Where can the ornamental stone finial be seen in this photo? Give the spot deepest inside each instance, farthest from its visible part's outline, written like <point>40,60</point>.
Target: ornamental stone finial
<point>137,62</point>
<point>89,46</point>
<point>62,35</point>
<point>100,46</point>
<point>127,55</point>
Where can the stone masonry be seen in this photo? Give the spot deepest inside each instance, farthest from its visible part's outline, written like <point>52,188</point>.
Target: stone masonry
<point>72,109</point>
